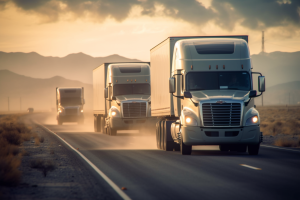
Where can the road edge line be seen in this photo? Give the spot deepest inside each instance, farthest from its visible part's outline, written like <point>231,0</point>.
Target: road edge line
<point>108,180</point>
<point>263,145</point>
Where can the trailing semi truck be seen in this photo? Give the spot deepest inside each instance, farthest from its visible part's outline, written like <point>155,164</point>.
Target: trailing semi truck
<point>202,91</point>
<point>122,97</point>
<point>69,105</point>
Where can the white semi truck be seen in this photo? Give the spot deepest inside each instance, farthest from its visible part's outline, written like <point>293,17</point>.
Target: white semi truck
<point>122,98</point>
<point>69,105</point>
<point>202,90</point>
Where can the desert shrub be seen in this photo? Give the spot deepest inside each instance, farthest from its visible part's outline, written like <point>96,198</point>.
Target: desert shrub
<point>37,141</point>
<point>41,139</point>
<point>12,137</point>
<point>12,134</point>
<point>9,172</point>
<point>287,142</point>
<point>44,165</point>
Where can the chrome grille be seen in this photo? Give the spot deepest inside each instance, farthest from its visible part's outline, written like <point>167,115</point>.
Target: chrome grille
<point>71,111</point>
<point>137,109</point>
<point>226,114</point>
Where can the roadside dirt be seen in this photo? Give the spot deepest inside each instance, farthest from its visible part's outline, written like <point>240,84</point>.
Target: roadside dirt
<point>50,170</point>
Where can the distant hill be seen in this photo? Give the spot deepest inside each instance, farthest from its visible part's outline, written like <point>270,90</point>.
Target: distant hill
<point>35,92</point>
<point>281,94</point>
<point>277,67</point>
<point>77,66</point>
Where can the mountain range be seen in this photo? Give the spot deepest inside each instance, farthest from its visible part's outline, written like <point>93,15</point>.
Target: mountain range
<point>77,66</point>
<point>19,92</point>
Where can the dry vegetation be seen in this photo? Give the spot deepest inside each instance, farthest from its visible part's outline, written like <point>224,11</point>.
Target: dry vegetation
<point>281,122</point>
<point>13,132</point>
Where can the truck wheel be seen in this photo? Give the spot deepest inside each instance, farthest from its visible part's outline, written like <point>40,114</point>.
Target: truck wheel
<point>185,149</point>
<point>95,123</point>
<point>242,148</point>
<point>113,132</point>
<point>253,149</point>
<point>161,134</point>
<point>158,135</point>
<point>169,144</point>
<point>224,147</point>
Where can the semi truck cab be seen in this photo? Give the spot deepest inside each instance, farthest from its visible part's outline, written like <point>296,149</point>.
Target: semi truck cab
<point>69,105</point>
<point>127,97</point>
<point>212,96</point>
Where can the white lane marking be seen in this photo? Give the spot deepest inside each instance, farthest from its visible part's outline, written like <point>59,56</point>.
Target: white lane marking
<point>280,148</point>
<point>250,167</point>
<point>110,182</point>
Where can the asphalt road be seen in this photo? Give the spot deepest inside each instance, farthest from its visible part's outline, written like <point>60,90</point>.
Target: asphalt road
<point>131,160</point>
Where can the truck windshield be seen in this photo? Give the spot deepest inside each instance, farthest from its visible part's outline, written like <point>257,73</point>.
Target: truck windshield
<point>125,89</point>
<point>70,101</point>
<point>218,80</point>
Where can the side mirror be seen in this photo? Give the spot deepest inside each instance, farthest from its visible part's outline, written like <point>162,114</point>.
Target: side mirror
<point>105,93</point>
<point>188,95</point>
<point>252,93</point>
<point>178,87</point>
<point>109,93</point>
<point>171,85</point>
<point>261,84</point>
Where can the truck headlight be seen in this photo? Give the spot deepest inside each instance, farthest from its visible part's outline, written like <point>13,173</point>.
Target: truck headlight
<point>189,121</point>
<point>252,121</point>
<point>114,112</point>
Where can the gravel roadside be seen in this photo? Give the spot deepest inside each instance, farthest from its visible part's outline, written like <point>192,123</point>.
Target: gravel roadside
<point>51,170</point>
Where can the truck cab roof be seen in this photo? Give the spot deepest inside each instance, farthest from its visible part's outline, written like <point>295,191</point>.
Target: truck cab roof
<point>212,48</point>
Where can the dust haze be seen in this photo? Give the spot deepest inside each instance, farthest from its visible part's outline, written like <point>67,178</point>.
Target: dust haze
<point>125,139</point>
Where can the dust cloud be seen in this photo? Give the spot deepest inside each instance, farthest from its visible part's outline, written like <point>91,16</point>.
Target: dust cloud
<point>84,135</point>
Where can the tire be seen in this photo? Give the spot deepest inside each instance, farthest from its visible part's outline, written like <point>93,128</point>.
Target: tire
<point>161,127</point>
<point>97,123</point>
<point>158,135</point>
<point>113,132</point>
<point>185,149</point>
<point>242,148</point>
<point>108,130</point>
<point>169,143</point>
<point>253,149</point>
<point>102,124</point>
<point>224,147</point>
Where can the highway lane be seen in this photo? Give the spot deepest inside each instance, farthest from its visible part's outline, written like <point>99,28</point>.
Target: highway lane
<point>132,161</point>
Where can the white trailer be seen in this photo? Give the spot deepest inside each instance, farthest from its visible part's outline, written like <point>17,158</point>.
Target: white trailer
<point>202,91</point>
<point>69,105</point>
<point>122,99</point>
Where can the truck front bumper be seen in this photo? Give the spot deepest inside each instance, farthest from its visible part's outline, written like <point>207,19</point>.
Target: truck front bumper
<point>192,135</point>
<point>70,118</point>
<point>132,123</point>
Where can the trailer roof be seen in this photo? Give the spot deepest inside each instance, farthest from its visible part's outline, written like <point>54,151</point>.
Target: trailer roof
<point>245,37</point>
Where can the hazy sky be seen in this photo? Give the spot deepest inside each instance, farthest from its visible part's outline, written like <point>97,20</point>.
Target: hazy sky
<point>132,27</point>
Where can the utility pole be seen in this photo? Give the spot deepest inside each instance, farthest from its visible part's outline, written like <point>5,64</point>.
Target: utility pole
<point>263,42</point>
